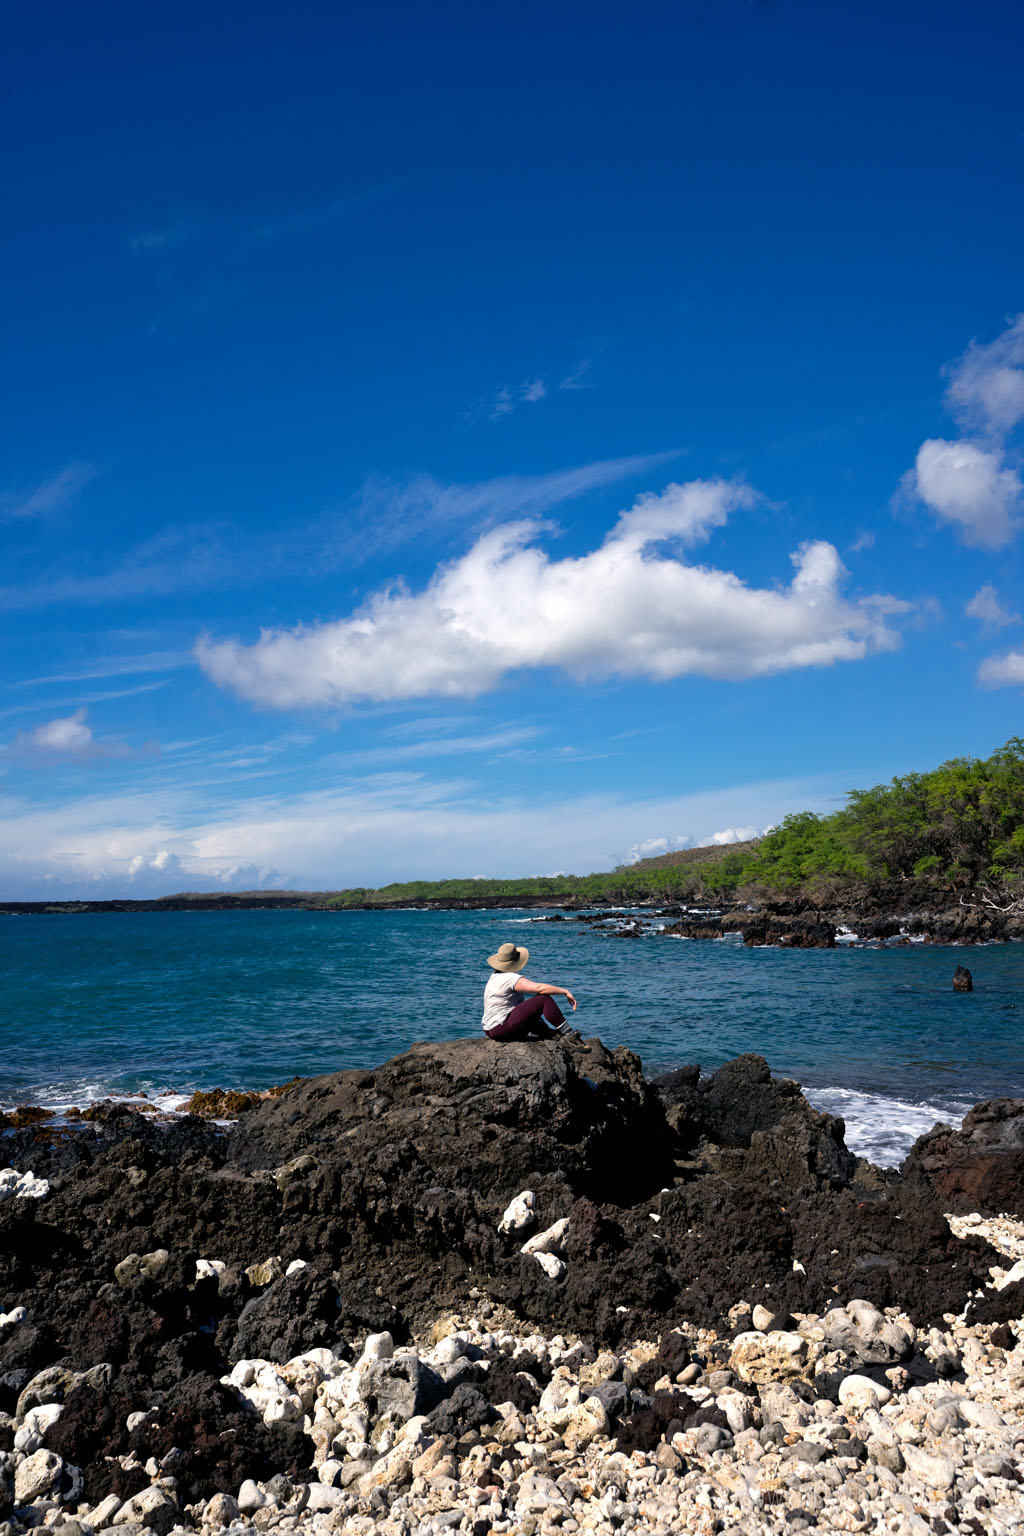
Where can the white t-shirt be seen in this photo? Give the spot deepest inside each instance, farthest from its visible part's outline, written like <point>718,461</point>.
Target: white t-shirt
<point>500,997</point>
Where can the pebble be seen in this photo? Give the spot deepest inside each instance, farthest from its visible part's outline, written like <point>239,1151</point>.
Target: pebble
<point>905,1449</point>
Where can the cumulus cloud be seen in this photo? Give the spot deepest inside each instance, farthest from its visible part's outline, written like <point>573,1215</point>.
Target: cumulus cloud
<point>971,482</point>
<point>986,384</point>
<point>165,872</point>
<point>731,835</point>
<point>630,608</point>
<point>66,737</point>
<point>988,610</point>
<point>162,863</point>
<point>1005,671</point>
<point>969,486</point>
<point>651,847</point>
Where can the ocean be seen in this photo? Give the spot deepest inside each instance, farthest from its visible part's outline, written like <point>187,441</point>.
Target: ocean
<point>163,1003</point>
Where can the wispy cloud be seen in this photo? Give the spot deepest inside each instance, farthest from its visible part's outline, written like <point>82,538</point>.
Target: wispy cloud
<point>580,377</point>
<point>364,832</point>
<point>321,215</point>
<point>173,560</point>
<point>388,514</point>
<point>115,666</point>
<point>48,496</point>
<point>443,746</point>
<point>30,706</point>
<point>622,610</point>
<point>972,482</point>
<point>188,229</point>
<point>988,610</point>
<point>383,517</point>
<point>507,400</point>
<point>178,231</point>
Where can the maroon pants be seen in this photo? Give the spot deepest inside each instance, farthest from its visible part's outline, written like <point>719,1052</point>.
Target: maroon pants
<point>527,1018</point>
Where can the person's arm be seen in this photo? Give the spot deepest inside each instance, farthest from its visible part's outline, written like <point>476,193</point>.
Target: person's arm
<point>546,989</point>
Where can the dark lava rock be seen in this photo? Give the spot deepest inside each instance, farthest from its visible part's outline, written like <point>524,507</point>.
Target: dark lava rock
<point>789,933</point>
<point>296,1313</point>
<point>978,1168</point>
<point>742,1105</point>
<point>390,1186</point>
<point>466,1107</point>
<point>220,1444</point>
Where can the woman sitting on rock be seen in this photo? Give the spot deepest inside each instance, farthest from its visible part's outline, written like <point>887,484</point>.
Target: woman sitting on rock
<point>511,1015</point>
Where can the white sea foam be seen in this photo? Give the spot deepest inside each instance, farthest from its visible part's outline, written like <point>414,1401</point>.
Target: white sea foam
<point>879,1128</point>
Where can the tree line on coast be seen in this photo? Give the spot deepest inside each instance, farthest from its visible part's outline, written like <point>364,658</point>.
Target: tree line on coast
<point>956,830</point>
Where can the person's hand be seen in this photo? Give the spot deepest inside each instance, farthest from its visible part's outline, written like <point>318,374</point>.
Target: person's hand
<point>570,999</point>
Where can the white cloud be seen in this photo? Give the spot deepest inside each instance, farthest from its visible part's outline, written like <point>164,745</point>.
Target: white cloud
<point>163,863</point>
<point>986,388</point>
<point>66,737</point>
<point>731,835</point>
<point>972,482</point>
<point>367,831</point>
<point>651,847</point>
<point>988,610</point>
<point>622,610</point>
<point>164,873</point>
<point>969,486</point>
<point>1005,671</point>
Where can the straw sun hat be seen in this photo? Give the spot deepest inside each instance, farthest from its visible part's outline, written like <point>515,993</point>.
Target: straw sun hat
<point>509,958</point>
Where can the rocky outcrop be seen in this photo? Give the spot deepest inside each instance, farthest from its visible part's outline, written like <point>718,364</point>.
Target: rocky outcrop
<point>977,1168</point>
<point>180,1301</point>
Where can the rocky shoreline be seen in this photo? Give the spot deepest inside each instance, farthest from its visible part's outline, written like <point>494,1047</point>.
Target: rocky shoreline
<point>512,1289</point>
<point>903,913</point>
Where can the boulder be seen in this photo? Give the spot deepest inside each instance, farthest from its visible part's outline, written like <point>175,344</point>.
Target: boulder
<point>978,1168</point>
<point>862,1332</point>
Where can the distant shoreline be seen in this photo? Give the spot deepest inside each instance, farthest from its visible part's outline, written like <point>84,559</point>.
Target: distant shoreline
<point>278,902</point>
<point>782,923</point>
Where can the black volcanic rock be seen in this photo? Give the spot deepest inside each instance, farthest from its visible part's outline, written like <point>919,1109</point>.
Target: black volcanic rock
<point>978,1168</point>
<point>743,1106</point>
<point>389,1186</point>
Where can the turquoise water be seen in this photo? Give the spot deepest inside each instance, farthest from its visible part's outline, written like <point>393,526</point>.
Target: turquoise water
<point>168,1002</point>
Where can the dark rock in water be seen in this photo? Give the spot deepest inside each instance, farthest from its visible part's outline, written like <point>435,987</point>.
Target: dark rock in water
<point>695,928</point>
<point>978,1168</point>
<point>789,933</point>
<point>963,981</point>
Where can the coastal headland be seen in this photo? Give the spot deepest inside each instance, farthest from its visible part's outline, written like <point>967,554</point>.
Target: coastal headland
<point>516,1288</point>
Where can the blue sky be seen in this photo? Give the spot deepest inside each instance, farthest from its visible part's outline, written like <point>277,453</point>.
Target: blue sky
<point>497,439</point>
